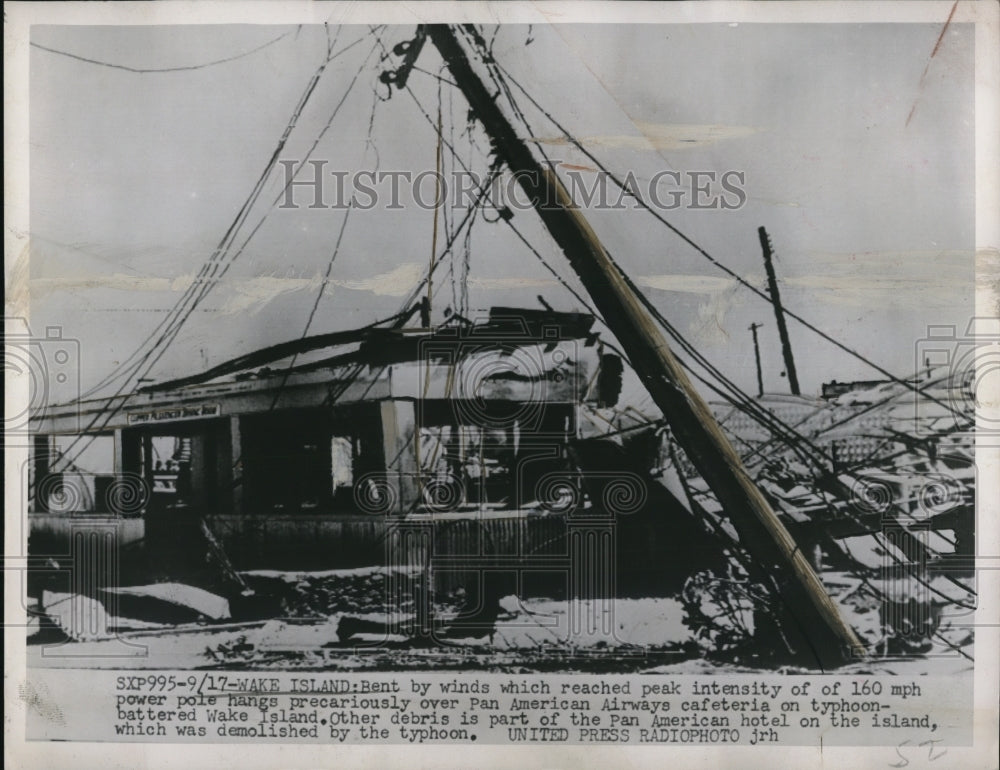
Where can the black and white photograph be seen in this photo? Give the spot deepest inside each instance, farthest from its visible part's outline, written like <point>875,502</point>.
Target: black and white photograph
<point>490,350</point>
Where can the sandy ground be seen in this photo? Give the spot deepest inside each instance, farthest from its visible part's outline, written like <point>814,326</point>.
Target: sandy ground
<point>646,634</point>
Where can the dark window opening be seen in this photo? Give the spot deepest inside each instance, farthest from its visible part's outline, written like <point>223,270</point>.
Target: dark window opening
<point>179,465</point>
<point>288,460</point>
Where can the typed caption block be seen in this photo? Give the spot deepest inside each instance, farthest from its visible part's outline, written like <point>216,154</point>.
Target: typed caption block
<point>399,708</point>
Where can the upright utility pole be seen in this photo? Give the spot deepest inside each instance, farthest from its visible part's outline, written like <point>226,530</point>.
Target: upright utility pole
<point>775,551</point>
<point>756,354</point>
<point>779,313</point>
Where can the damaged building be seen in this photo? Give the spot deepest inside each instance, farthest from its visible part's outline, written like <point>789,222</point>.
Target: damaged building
<point>455,452</point>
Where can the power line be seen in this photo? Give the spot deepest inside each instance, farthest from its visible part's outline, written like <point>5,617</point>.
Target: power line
<point>315,307</point>
<point>148,70</point>
<point>192,297</point>
<point>207,268</point>
<point>760,415</point>
<point>795,442</point>
<point>704,253</point>
<point>167,325</point>
<point>231,259</point>
<point>739,399</point>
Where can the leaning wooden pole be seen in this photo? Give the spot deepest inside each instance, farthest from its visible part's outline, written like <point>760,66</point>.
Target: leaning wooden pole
<point>819,623</point>
<point>779,313</point>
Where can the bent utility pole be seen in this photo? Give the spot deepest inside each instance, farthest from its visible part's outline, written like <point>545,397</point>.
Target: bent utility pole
<point>779,313</point>
<point>820,627</point>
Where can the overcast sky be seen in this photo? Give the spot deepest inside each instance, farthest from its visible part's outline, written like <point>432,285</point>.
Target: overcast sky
<point>856,146</point>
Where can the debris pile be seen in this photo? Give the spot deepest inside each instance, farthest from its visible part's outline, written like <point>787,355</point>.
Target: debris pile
<point>332,592</point>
